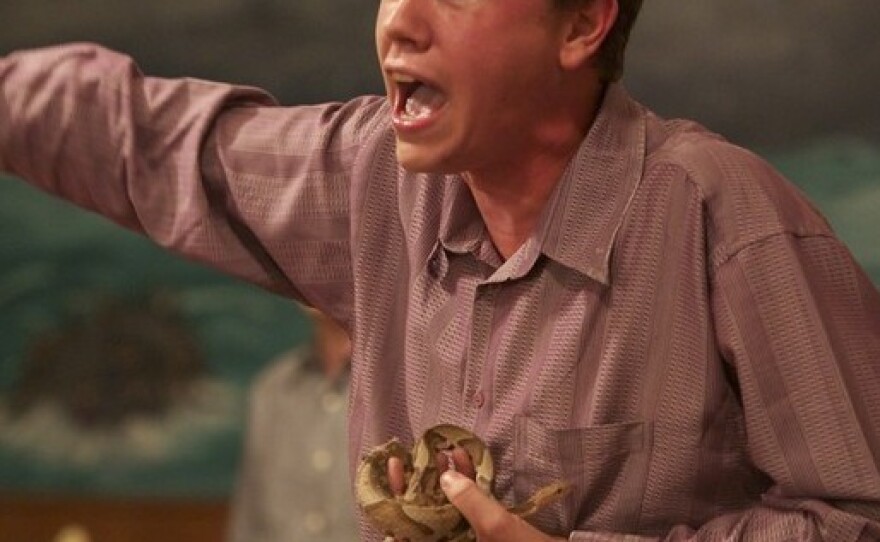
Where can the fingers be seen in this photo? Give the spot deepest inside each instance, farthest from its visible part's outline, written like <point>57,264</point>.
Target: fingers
<point>463,463</point>
<point>489,519</point>
<point>396,478</point>
<point>456,459</point>
<point>484,513</point>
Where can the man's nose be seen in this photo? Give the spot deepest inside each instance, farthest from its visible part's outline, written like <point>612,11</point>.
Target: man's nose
<point>407,22</point>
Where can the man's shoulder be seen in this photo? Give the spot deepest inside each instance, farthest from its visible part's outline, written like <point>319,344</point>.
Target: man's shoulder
<point>718,167</point>
<point>743,196</point>
<point>369,113</point>
<point>707,158</point>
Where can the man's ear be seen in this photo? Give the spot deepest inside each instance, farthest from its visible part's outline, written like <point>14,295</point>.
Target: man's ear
<point>586,29</point>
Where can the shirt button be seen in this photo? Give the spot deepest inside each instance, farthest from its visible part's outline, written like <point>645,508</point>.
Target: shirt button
<point>479,399</point>
<point>322,460</point>
<point>315,522</point>
<point>332,402</point>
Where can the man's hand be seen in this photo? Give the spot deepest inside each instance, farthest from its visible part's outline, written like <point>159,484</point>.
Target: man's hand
<point>491,521</point>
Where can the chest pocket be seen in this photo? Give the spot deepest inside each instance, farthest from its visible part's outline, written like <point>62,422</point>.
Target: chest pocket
<point>606,466</point>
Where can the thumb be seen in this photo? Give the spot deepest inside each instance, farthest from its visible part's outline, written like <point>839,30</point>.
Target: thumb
<point>478,508</point>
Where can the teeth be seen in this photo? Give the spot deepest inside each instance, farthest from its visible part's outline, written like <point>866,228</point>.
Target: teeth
<point>400,78</point>
<point>422,102</point>
<point>416,110</point>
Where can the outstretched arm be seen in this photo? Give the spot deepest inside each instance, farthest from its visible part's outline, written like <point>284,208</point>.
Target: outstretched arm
<point>83,122</point>
<point>212,171</point>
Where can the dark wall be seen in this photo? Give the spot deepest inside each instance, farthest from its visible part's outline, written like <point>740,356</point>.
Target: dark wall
<point>771,73</point>
<point>301,50</point>
<point>764,72</point>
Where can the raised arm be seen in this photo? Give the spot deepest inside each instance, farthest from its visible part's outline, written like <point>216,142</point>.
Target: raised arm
<point>83,123</point>
<point>216,172</point>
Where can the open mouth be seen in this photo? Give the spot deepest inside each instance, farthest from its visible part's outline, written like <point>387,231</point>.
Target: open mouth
<point>416,101</point>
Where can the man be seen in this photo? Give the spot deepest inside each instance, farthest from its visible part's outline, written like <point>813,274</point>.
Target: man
<point>626,303</point>
<point>293,483</point>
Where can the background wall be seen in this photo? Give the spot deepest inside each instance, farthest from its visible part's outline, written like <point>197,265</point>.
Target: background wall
<point>797,80</point>
<point>768,72</point>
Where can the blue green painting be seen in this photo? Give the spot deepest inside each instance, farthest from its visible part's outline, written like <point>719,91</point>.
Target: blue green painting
<point>61,265</point>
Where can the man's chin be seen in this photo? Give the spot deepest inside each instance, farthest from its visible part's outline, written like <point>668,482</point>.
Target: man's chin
<point>418,159</point>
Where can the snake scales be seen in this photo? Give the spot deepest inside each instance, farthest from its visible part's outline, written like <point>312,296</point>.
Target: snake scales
<point>422,513</point>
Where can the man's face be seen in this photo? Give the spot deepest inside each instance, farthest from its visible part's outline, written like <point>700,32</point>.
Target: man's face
<point>468,80</point>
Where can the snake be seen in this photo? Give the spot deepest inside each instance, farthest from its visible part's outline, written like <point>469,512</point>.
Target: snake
<point>423,513</point>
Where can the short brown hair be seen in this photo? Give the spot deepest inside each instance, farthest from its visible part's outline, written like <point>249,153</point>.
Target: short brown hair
<point>612,54</point>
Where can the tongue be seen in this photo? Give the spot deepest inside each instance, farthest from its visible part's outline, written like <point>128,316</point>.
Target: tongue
<point>424,101</point>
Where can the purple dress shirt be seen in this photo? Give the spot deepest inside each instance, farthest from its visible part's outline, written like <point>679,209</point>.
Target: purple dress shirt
<point>682,337</point>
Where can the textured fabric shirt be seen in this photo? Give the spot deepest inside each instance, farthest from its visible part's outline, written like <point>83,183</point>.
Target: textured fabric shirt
<point>293,483</point>
<point>682,338</point>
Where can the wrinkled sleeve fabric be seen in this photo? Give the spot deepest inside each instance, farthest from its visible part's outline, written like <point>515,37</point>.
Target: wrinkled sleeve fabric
<point>799,323</point>
<point>215,172</point>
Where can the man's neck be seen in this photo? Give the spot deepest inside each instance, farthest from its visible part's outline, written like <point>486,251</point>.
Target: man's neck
<point>511,201</point>
<point>511,196</point>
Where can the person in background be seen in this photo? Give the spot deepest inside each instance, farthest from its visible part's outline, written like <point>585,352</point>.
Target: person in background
<point>294,482</point>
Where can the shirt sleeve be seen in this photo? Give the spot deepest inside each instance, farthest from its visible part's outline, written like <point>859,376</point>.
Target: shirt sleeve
<point>799,322</point>
<point>218,173</point>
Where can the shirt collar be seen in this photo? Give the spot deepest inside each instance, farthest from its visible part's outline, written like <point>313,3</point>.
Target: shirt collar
<point>587,206</point>
<point>461,227</point>
<point>590,202</point>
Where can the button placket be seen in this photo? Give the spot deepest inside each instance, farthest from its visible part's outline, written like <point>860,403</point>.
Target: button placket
<point>484,308</point>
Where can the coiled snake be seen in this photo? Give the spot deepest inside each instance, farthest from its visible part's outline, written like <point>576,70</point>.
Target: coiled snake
<point>422,513</point>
